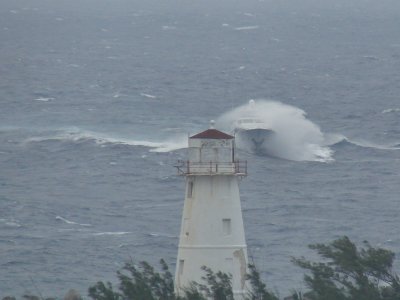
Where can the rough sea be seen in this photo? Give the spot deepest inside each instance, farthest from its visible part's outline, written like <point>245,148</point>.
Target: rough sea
<point>97,98</point>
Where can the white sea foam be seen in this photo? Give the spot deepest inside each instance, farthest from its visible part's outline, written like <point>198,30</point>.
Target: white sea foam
<point>247,28</point>
<point>368,144</point>
<point>171,145</point>
<point>334,139</point>
<point>76,135</point>
<point>390,110</point>
<point>10,223</point>
<point>158,234</point>
<point>70,222</point>
<point>296,138</point>
<point>111,233</point>
<point>148,95</point>
<point>44,99</point>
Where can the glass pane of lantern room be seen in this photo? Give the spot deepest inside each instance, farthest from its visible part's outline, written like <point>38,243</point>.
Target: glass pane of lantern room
<point>225,154</point>
<point>194,154</point>
<point>207,155</point>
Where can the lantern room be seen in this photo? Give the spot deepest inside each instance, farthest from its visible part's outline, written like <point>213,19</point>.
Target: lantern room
<point>212,152</point>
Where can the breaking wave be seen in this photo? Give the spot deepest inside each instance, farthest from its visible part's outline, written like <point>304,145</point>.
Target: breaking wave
<point>296,138</point>
<point>340,140</point>
<point>77,135</point>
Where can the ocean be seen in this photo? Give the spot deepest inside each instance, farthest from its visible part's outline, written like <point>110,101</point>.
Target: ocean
<point>98,98</point>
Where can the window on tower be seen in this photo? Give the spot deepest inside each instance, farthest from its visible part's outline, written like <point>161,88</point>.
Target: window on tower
<point>190,189</point>
<point>181,264</point>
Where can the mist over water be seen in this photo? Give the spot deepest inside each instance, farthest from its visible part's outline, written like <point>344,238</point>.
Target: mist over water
<point>296,138</point>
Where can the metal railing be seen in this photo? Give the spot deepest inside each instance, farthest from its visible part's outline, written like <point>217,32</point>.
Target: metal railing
<point>238,168</point>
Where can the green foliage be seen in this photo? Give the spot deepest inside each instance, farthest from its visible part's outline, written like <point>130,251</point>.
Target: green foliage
<point>138,282</point>
<point>346,273</point>
<point>192,293</point>
<point>258,289</point>
<point>142,282</point>
<point>349,273</point>
<point>218,286</point>
<point>103,291</point>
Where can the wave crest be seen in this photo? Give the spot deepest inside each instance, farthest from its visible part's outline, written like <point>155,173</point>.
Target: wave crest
<point>296,138</point>
<point>77,135</point>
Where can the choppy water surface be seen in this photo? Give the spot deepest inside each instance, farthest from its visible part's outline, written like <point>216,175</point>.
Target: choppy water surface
<point>97,100</point>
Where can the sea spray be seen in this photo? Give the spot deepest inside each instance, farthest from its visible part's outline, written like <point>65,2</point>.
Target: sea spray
<point>296,138</point>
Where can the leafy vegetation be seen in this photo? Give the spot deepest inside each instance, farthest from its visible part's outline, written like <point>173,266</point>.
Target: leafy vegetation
<point>258,289</point>
<point>345,273</point>
<point>348,273</point>
<point>143,282</point>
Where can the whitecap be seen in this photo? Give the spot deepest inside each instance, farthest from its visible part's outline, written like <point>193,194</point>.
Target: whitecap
<point>10,223</point>
<point>390,110</point>
<point>172,145</point>
<point>331,139</point>
<point>335,139</point>
<point>148,96</point>
<point>296,138</point>
<point>368,144</point>
<point>158,234</point>
<point>66,230</point>
<point>71,222</point>
<point>76,135</point>
<point>247,28</point>
<point>111,233</point>
<point>44,99</point>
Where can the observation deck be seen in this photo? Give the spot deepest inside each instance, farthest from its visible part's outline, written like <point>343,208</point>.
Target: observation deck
<point>188,168</point>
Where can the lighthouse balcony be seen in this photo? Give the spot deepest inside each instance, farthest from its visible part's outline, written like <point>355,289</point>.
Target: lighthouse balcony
<point>186,168</point>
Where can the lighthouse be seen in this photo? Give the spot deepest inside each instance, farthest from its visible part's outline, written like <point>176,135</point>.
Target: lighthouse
<point>212,231</point>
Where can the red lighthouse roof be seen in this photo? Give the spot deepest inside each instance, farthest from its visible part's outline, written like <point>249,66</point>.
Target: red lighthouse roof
<point>212,134</point>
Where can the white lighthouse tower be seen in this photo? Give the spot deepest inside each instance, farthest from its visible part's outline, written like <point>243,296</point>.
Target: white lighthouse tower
<point>212,232</point>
